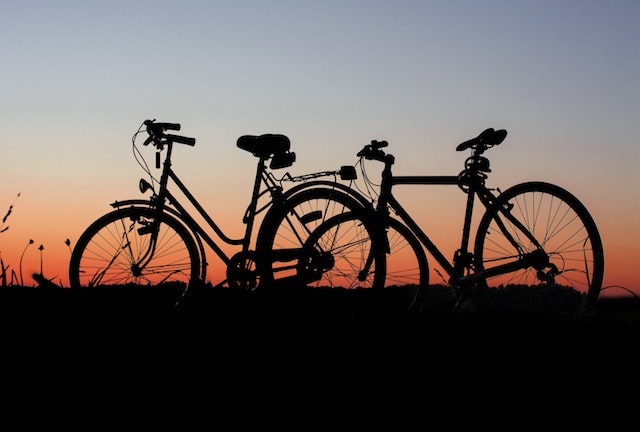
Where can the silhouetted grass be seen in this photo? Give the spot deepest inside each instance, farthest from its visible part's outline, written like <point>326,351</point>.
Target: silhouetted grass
<point>4,269</point>
<point>209,304</point>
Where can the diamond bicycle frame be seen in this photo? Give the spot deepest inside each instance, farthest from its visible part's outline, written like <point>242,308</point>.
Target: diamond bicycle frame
<point>472,181</point>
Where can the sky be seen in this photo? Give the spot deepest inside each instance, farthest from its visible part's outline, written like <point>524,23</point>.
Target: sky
<point>77,78</point>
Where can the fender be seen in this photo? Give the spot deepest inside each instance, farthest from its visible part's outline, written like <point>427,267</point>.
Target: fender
<point>144,203</point>
<point>131,202</point>
<point>331,184</point>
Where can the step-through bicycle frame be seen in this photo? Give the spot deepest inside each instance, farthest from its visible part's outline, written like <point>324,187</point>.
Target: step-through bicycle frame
<point>163,200</point>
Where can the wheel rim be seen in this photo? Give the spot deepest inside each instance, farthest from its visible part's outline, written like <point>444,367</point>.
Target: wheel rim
<point>570,281</point>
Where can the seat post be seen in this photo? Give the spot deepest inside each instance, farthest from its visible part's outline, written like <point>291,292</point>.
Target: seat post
<point>250,214</point>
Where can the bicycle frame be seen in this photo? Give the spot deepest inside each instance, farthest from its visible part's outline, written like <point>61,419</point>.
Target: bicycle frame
<point>463,258</point>
<point>165,201</point>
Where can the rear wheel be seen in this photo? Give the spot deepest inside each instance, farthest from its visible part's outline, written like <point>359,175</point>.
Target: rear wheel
<point>567,279</point>
<point>285,231</point>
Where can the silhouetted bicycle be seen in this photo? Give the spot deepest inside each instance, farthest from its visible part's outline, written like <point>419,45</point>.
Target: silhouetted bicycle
<point>537,249</point>
<point>158,241</point>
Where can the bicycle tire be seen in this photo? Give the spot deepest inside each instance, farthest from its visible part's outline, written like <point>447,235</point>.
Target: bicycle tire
<point>287,226</point>
<point>569,236</point>
<point>107,251</point>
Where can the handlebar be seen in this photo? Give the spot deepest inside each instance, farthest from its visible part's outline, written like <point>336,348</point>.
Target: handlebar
<point>158,137</point>
<point>373,151</point>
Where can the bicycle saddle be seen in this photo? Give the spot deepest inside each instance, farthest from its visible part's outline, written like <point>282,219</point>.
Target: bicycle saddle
<point>264,146</point>
<point>487,138</point>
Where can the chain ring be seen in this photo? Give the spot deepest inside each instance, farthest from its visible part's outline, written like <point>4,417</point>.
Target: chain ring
<point>242,272</point>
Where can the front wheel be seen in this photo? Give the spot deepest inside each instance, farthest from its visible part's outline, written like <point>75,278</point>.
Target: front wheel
<point>134,247</point>
<point>567,275</point>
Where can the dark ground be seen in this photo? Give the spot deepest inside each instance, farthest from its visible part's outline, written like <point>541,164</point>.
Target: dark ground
<point>287,350</point>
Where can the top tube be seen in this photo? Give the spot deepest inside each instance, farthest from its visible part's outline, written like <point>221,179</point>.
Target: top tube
<point>424,180</point>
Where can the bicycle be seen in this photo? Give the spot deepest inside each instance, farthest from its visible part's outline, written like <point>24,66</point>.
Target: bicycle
<point>157,242</point>
<point>537,250</point>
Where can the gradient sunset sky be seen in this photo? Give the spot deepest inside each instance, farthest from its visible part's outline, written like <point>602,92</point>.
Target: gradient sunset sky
<point>77,78</point>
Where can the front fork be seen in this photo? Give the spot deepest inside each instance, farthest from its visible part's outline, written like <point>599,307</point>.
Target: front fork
<point>152,228</point>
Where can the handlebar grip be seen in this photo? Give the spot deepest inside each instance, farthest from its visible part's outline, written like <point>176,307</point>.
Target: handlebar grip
<point>182,139</point>
<point>169,126</point>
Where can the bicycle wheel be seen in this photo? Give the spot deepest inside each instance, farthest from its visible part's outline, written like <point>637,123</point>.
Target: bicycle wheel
<point>120,249</point>
<point>569,278</point>
<point>286,228</point>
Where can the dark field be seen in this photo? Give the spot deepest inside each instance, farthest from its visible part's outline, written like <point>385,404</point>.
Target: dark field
<point>306,339</point>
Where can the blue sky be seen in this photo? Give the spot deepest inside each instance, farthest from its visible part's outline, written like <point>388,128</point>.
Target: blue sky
<point>78,77</point>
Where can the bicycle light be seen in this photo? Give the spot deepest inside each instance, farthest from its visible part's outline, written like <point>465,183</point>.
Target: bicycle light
<point>348,172</point>
<point>282,160</point>
<point>144,185</point>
